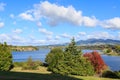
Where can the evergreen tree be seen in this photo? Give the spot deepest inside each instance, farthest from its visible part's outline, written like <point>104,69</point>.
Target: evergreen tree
<point>5,57</point>
<point>75,62</point>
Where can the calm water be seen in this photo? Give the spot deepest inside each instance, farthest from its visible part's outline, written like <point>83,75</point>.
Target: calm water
<point>112,61</point>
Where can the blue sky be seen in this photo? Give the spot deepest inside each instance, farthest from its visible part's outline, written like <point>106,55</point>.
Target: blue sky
<point>44,22</point>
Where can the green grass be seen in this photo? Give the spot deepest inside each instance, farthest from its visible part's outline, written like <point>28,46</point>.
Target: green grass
<point>39,76</point>
<point>42,74</point>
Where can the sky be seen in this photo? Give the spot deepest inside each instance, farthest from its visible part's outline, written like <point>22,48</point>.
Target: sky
<point>46,22</point>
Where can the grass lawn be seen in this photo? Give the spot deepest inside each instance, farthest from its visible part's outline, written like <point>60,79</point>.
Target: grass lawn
<point>41,74</point>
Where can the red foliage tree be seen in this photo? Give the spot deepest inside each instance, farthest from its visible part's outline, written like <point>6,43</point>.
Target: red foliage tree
<point>96,60</point>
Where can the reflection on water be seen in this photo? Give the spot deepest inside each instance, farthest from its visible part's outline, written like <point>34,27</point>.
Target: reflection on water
<point>112,61</point>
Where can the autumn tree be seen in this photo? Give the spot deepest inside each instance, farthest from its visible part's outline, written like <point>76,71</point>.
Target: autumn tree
<point>96,60</point>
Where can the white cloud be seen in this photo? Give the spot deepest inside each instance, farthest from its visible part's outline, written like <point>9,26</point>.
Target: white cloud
<point>2,5</point>
<point>1,24</point>
<point>56,14</point>
<point>113,23</point>
<point>12,39</point>
<point>57,37</point>
<point>26,16</point>
<point>46,32</point>
<point>91,22</point>
<point>39,42</point>
<point>49,37</point>
<point>100,35</point>
<point>4,37</point>
<point>12,16</point>
<point>17,38</point>
<point>65,35</point>
<point>18,31</point>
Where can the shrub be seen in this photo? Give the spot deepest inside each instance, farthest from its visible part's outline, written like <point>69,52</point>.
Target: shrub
<point>110,74</point>
<point>31,65</point>
<point>54,58</point>
<point>5,57</point>
<point>96,60</point>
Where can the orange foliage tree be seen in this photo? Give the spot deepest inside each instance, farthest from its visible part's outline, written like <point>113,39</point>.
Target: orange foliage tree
<point>96,60</point>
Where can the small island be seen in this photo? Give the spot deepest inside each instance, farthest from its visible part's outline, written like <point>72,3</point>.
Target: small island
<point>23,48</point>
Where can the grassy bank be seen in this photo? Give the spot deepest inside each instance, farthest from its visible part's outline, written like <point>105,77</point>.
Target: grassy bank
<point>42,74</point>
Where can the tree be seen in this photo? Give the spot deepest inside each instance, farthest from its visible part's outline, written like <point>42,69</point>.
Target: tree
<point>96,60</point>
<point>5,57</point>
<point>78,65</point>
<point>54,59</point>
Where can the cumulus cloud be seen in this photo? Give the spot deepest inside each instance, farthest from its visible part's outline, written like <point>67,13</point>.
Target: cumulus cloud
<point>56,14</point>
<point>91,22</point>
<point>113,23</point>
<point>1,24</point>
<point>44,31</point>
<point>18,31</point>
<point>26,16</point>
<point>2,5</point>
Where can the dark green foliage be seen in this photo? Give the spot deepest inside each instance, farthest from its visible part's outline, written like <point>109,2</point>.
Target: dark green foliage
<point>110,74</point>
<point>69,61</point>
<point>30,64</point>
<point>5,57</point>
<point>54,58</point>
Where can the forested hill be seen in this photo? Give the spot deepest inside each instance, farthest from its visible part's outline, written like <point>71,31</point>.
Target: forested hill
<point>97,42</point>
<point>92,42</point>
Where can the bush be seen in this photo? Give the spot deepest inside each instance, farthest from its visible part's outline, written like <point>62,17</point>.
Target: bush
<point>110,74</point>
<point>30,64</point>
<point>54,58</point>
<point>5,57</point>
<point>97,62</point>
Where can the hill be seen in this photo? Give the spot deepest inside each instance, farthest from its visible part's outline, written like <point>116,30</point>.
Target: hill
<point>98,42</point>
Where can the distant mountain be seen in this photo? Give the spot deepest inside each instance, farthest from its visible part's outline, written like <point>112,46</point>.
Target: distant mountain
<point>92,42</point>
<point>97,42</point>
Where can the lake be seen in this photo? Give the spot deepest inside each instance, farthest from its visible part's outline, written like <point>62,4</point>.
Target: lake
<point>112,61</point>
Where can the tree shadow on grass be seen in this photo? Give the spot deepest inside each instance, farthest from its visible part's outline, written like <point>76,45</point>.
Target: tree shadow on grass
<point>33,76</point>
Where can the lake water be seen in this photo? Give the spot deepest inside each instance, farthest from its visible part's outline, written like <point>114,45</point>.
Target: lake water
<point>112,61</point>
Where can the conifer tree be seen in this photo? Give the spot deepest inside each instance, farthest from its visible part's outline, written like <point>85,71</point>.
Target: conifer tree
<point>5,57</point>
